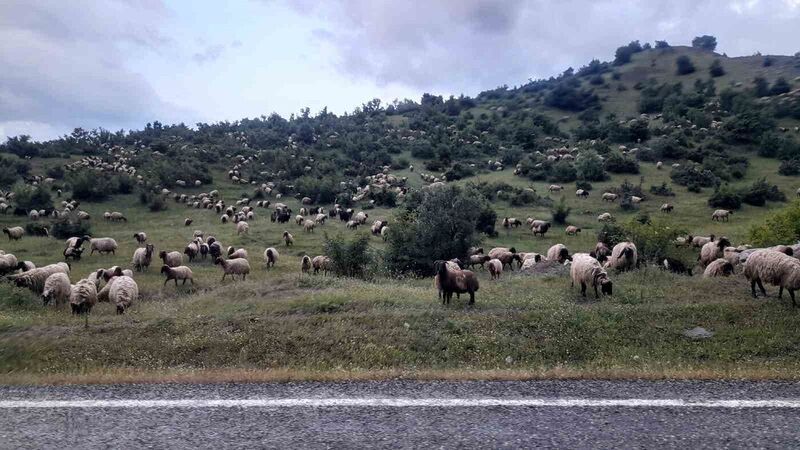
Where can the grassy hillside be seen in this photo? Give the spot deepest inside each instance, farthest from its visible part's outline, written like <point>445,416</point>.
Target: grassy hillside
<point>281,324</point>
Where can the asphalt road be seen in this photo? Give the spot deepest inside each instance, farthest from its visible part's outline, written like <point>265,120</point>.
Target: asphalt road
<point>404,414</point>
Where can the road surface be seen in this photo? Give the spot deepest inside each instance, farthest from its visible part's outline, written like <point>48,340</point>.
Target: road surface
<point>404,414</point>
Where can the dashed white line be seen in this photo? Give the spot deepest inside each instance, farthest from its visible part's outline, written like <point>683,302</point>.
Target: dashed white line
<point>368,402</point>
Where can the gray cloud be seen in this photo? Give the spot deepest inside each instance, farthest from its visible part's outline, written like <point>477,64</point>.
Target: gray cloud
<point>64,63</point>
<point>213,52</point>
<point>469,45</point>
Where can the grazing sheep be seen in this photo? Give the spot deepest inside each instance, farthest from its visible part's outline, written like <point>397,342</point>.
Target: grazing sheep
<point>288,239</point>
<point>322,263</point>
<point>718,268</point>
<point>586,270</point>
<point>624,256</point>
<point>378,226</point>
<point>700,241</point>
<point>270,257</point>
<point>82,297</point>
<point>775,268</point>
<point>142,257</point>
<point>117,217</point>
<point>351,225</point>
<point>56,288</point>
<point>192,250</point>
<point>224,219</point>
<point>242,227</point>
<point>233,267</point>
<point>305,264</point>
<point>123,292</point>
<point>453,280</point>
<point>731,254</point>
<point>554,188</point>
<point>177,273</point>
<point>172,259</point>
<point>33,215</point>
<point>713,250</point>
<point>667,207</point>
<point>582,193</point>
<point>385,233</point>
<point>361,217</point>
<point>721,215</point>
<point>676,266</point>
<point>558,253</point>
<point>497,251</point>
<point>659,165</point>
<point>308,226</point>
<point>74,253</point>
<point>141,237</point>
<point>77,242</point>
<point>572,230</point>
<point>636,200</point>
<point>495,268</point>
<point>529,260</point>
<point>475,260</point>
<point>187,222</point>
<point>508,258</point>
<point>103,245</point>
<point>8,263</point>
<point>34,279</point>
<point>605,217</point>
<point>601,252</point>
<point>609,197</point>
<point>234,253</point>
<point>320,218</point>
<point>14,233</point>
<point>299,219</point>
<point>540,227</point>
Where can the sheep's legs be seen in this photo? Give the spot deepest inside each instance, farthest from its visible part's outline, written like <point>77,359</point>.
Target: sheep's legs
<point>472,298</point>
<point>761,286</point>
<point>583,289</point>
<point>791,294</point>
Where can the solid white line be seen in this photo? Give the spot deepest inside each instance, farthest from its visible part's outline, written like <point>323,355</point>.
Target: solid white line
<point>399,403</point>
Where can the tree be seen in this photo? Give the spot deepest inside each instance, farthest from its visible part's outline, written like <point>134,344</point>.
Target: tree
<point>684,65</point>
<point>590,166</point>
<point>761,87</point>
<point>716,69</point>
<point>662,44</point>
<point>705,42</point>
<point>623,54</point>
<point>781,86</point>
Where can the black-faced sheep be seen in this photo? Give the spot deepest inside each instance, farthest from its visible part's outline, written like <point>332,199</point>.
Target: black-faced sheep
<point>572,230</point>
<point>35,279</point>
<point>321,263</point>
<point>103,245</point>
<point>601,252</point>
<point>142,257</point>
<point>288,239</point>
<point>233,267</point>
<point>718,268</point>
<point>270,257</point>
<point>586,270</point>
<point>455,281</point>
<point>14,233</point>
<point>676,266</point>
<point>177,273</point>
<point>713,250</point>
<point>558,252</point>
<point>624,256</point>
<point>141,237</point>
<point>305,264</point>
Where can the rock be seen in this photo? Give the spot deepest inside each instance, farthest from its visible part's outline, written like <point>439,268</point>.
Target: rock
<point>698,333</point>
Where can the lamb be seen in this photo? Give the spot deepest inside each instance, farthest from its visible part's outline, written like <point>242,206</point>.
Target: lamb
<point>270,257</point>
<point>8,263</point>
<point>667,208</point>
<point>453,280</point>
<point>495,268</point>
<point>123,292</point>
<point>34,279</point>
<point>712,250</point>
<point>558,253</point>
<point>605,217</point>
<point>82,297</point>
<point>288,239</point>
<point>172,259</point>
<point>507,259</point>
<point>308,226</point>
<point>475,260</point>
<point>721,215</point>
<point>586,270</point>
<point>609,197</point>
<point>718,268</point>
<point>572,230</point>
<point>187,222</point>
<point>623,257</point>
<point>233,267</point>
<point>57,288</point>
<point>177,273</point>
<point>142,257</point>
<point>242,227</point>
<point>103,245</point>
<point>776,269</point>
<point>141,237</point>
<point>234,253</point>
<point>601,252</point>
<point>676,266</point>
<point>14,233</point>
<point>322,263</point>
<point>305,264</point>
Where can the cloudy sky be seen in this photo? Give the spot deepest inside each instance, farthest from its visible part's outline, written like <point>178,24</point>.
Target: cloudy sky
<point>118,64</point>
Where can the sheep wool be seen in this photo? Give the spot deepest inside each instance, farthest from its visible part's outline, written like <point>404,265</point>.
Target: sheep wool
<point>242,228</point>
<point>587,271</point>
<point>495,268</point>
<point>8,263</point>
<point>233,267</point>
<point>83,296</point>
<point>270,256</point>
<point>123,292</point>
<point>103,245</point>
<point>718,268</point>
<point>712,251</point>
<point>34,279</point>
<point>775,268</point>
<point>14,233</point>
<point>57,288</point>
<point>558,253</point>
<point>624,256</point>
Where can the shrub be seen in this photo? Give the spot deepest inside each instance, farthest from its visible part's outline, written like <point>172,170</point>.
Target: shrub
<point>35,229</point>
<point>27,197</point>
<point>384,197</point>
<point>684,65</point>
<point>611,234</point>
<point>687,175</point>
<point>523,197</point>
<point>68,225</point>
<point>624,53</point>
<point>716,69</point>
<point>662,44</point>
<point>89,186</point>
<point>705,42</point>
<point>664,190</point>
<point>789,167</point>
<point>55,171</point>
<point>725,197</point>
<point>779,228</point>
<point>589,166</point>
<point>760,192</point>
<point>583,184</point>
<point>350,258</point>
<point>781,86</point>
<point>616,162</point>
<point>563,171</point>
<point>157,203</point>
<point>459,171</point>
<point>653,239</point>
<point>560,211</point>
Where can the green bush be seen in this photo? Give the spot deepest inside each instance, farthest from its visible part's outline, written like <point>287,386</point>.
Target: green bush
<point>664,190</point>
<point>790,167</point>
<point>684,65</point>
<point>27,198</point>
<point>716,69</point>
<point>725,197</point>
<point>563,171</point>
<point>583,184</point>
<point>351,258</point>
<point>560,211</point>
<point>68,225</point>
<point>760,192</point>
<point>589,166</point>
<point>616,162</point>
<point>780,227</point>
<point>688,175</point>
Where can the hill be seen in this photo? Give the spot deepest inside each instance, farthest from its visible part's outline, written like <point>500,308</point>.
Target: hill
<point>728,141</point>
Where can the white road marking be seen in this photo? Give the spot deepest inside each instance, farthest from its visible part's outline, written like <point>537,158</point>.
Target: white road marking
<point>367,402</point>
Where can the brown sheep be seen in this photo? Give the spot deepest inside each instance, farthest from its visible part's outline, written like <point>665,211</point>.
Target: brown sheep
<point>456,281</point>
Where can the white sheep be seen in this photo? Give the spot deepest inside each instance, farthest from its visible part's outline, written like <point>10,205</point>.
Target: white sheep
<point>775,268</point>
<point>57,288</point>
<point>605,217</point>
<point>721,215</point>
<point>308,226</point>
<point>558,252</point>
<point>234,253</point>
<point>495,268</point>
<point>609,196</point>
<point>34,279</point>
<point>103,245</point>
<point>624,256</point>
<point>177,273</point>
<point>712,251</point>
<point>270,257</point>
<point>172,259</point>
<point>123,292</point>
<point>242,227</point>
<point>288,239</point>
<point>8,263</point>
<point>322,263</point>
<point>117,217</point>
<point>14,233</point>
<point>141,237</point>
<point>82,297</point>
<point>142,257</point>
<point>718,268</point>
<point>233,267</point>
<point>385,233</point>
<point>586,270</point>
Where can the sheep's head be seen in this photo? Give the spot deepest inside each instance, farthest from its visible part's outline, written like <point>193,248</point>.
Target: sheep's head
<point>149,249</point>
<point>219,261</point>
<point>723,242</point>
<point>165,269</point>
<point>606,287</point>
<point>789,251</point>
<point>162,254</point>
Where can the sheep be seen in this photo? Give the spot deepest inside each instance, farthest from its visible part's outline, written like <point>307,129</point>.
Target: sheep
<point>77,242</point>
<point>233,267</point>
<point>72,252</point>
<point>141,237</point>
<point>25,266</point>
<point>204,250</point>
<point>385,233</point>
<point>361,217</point>
<point>601,252</point>
<point>667,208</point>
<point>475,260</point>
<point>142,257</point>
<point>322,263</point>
<point>215,250</point>
<point>234,253</point>
<point>34,279</point>
<point>495,268</point>
<point>177,273</point>
<point>56,288</point>
<point>103,245</point>
<point>224,219</point>
<point>700,241</point>
<point>308,226</point>
<point>351,225</point>
<point>554,188</point>
<point>8,263</point>
<point>123,292</point>
<point>582,193</point>
<point>721,215</point>
<point>624,256</point>
<point>117,217</point>
<point>242,227</point>
<point>377,227</point>
<point>676,266</point>
<point>82,297</point>
<point>475,251</point>
<point>192,250</point>
<point>712,250</point>
<point>288,239</point>
<point>605,217</point>
<point>718,268</point>
<point>508,258</point>
<point>305,264</point>
<point>540,227</point>
<point>270,257</point>
<point>586,270</point>
<point>609,197</point>
<point>659,165</point>
<point>299,219</point>
<point>320,218</point>
<point>115,271</point>
<point>453,280</point>
<point>572,230</point>
<point>558,252</point>
<point>172,259</point>
<point>731,254</point>
<point>775,268</point>
<point>33,215</point>
<point>497,251</point>
<point>636,200</point>
<point>14,233</point>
